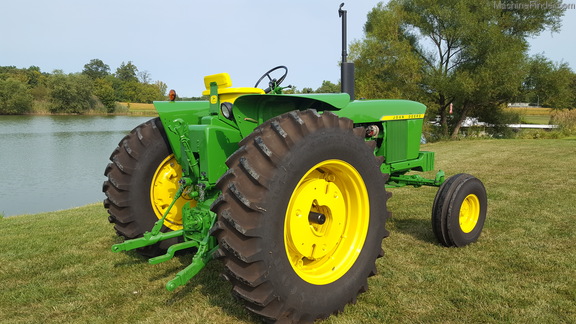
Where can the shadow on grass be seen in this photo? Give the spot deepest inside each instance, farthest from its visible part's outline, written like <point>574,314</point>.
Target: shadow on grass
<point>207,282</point>
<point>420,229</point>
<point>210,283</point>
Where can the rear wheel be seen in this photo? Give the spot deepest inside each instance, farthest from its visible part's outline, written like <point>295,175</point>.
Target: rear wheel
<point>301,216</point>
<point>142,180</point>
<point>459,210</point>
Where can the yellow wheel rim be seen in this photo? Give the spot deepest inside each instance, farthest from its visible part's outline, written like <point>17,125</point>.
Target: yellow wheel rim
<point>164,187</point>
<point>469,213</point>
<point>322,252</point>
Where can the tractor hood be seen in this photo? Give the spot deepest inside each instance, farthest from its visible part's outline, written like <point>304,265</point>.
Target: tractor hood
<point>369,111</point>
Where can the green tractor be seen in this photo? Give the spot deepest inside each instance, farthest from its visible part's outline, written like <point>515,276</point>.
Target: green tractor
<point>288,190</point>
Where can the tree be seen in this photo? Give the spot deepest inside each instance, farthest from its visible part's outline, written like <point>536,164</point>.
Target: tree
<point>134,91</point>
<point>15,98</point>
<point>70,93</point>
<point>461,53</point>
<point>549,84</point>
<point>162,87</point>
<point>328,87</point>
<point>127,72</point>
<point>105,92</point>
<point>96,69</point>
<point>35,77</point>
<point>150,93</point>
<point>144,77</point>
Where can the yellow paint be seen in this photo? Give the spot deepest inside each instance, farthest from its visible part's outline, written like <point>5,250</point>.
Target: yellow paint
<point>469,213</point>
<point>402,117</point>
<point>322,253</point>
<point>225,92</point>
<point>164,186</point>
<point>223,80</point>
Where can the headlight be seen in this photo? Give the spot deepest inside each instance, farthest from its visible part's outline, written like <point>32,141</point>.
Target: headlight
<point>226,109</point>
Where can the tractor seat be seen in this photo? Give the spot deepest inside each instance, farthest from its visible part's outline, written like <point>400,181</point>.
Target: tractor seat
<point>225,92</point>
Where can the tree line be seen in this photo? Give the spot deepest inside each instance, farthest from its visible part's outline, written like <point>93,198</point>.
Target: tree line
<point>27,90</point>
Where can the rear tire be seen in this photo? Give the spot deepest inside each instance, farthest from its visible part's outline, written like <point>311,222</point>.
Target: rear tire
<point>301,216</point>
<point>459,210</point>
<point>142,178</point>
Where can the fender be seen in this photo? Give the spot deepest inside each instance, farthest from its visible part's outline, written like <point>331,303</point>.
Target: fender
<point>253,110</point>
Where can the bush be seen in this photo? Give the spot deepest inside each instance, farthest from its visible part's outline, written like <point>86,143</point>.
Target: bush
<point>15,97</point>
<point>566,121</point>
<point>539,134</point>
<point>71,93</point>
<point>105,92</point>
<point>500,119</point>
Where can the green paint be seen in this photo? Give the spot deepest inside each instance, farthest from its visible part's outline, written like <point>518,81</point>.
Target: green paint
<point>202,139</point>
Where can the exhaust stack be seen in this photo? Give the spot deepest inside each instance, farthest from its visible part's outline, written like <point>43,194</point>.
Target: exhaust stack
<point>346,69</point>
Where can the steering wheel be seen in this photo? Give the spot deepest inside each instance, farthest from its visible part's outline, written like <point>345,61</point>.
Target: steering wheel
<point>272,82</point>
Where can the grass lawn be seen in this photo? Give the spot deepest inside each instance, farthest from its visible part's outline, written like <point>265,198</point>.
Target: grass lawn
<point>532,115</point>
<point>58,268</point>
<point>139,108</point>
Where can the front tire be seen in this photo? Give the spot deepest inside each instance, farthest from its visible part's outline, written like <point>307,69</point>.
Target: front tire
<point>459,210</point>
<point>301,216</point>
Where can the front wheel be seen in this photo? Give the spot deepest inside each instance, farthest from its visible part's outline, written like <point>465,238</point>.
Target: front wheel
<point>301,216</point>
<point>459,210</point>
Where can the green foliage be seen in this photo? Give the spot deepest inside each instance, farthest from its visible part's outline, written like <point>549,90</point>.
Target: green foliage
<point>548,84</point>
<point>127,72</point>
<point>92,89</point>
<point>31,76</point>
<point>328,87</point>
<point>500,119</point>
<point>539,134</point>
<point>134,91</point>
<point>105,92</point>
<point>70,93</point>
<point>566,121</point>
<point>96,69</point>
<point>162,87</point>
<point>40,93</point>
<point>15,97</point>
<point>385,65</point>
<point>466,53</point>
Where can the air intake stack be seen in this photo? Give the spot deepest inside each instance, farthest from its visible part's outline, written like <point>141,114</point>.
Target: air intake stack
<point>346,69</point>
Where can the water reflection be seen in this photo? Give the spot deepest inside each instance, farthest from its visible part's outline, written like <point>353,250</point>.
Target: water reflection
<point>56,162</point>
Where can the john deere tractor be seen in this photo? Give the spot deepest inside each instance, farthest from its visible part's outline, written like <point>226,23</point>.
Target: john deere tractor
<point>288,190</point>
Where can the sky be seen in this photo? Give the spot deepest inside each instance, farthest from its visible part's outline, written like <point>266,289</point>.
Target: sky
<point>180,41</point>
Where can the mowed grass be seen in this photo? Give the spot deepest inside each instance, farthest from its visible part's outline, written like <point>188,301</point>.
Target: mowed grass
<point>532,115</point>
<point>58,268</point>
<point>139,108</point>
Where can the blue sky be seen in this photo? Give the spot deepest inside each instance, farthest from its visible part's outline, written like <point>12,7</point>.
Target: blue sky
<point>178,41</point>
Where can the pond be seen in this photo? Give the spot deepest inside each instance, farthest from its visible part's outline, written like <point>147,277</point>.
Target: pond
<point>49,163</point>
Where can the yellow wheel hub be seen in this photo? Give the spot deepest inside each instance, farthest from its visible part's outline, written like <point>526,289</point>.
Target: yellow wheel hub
<point>326,222</point>
<point>469,213</point>
<point>164,187</point>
